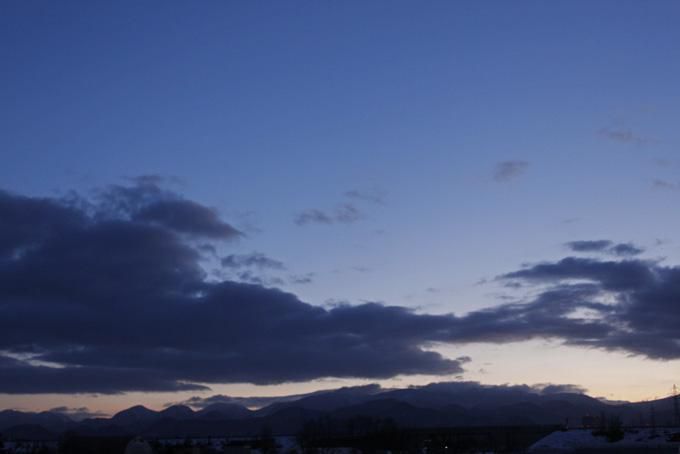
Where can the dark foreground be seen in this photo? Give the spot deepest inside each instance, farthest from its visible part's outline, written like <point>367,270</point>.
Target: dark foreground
<point>318,438</point>
<point>313,440</point>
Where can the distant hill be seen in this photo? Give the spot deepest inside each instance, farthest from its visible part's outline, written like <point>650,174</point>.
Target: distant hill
<point>135,415</point>
<point>224,411</point>
<point>31,432</point>
<point>177,412</point>
<point>329,400</point>
<point>456,404</point>
<point>55,422</point>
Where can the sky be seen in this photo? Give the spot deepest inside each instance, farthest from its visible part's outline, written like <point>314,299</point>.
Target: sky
<point>264,198</point>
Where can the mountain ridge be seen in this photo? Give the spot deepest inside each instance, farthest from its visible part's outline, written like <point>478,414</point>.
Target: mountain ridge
<point>437,405</point>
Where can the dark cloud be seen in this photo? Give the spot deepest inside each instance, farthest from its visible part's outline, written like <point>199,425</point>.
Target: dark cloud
<point>550,388</point>
<point>605,247</point>
<point>548,316</point>
<point>626,249</point>
<point>20,377</point>
<point>186,217</point>
<point>120,302</point>
<point>589,245</point>
<point>149,203</point>
<point>610,275</point>
<point>27,222</point>
<point>252,260</point>
<point>96,299</point>
<point>631,304</point>
<point>508,170</point>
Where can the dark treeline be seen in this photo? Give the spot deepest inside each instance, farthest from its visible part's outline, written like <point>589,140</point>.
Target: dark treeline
<point>377,435</point>
<point>325,434</point>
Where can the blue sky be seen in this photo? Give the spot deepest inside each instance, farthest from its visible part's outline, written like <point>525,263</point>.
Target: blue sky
<point>264,110</point>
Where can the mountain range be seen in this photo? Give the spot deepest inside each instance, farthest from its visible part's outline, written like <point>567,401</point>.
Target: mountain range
<point>457,404</point>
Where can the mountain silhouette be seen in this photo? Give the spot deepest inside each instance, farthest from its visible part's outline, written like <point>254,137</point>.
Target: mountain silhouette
<point>457,404</point>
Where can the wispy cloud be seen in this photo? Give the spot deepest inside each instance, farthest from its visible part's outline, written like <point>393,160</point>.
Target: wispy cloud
<point>79,413</point>
<point>509,170</point>
<point>251,277</point>
<point>313,216</point>
<point>625,135</point>
<point>375,195</point>
<point>306,278</point>
<point>252,260</point>
<point>659,183</point>
<point>605,247</point>
<point>347,212</point>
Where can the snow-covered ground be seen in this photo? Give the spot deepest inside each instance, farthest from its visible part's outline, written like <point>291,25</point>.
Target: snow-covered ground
<point>583,438</point>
